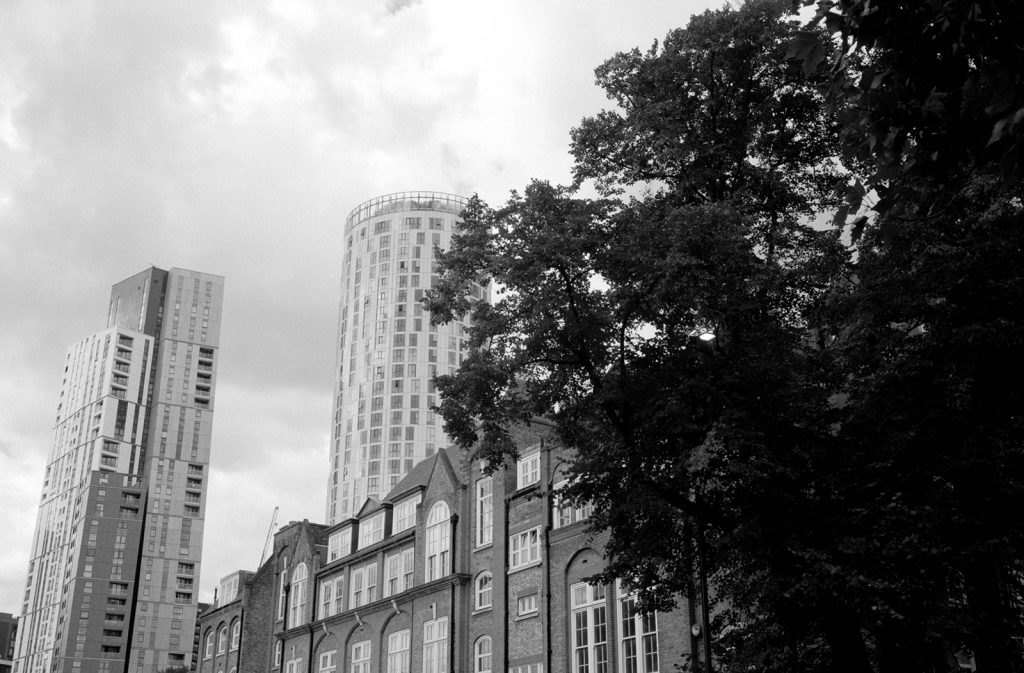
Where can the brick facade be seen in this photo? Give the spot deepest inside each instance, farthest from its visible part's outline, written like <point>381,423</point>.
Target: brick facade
<point>411,587</point>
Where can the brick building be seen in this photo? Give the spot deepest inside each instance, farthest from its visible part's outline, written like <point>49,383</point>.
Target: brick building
<point>454,570</point>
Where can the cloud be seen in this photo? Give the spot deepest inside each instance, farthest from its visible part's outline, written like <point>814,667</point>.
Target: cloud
<point>234,138</point>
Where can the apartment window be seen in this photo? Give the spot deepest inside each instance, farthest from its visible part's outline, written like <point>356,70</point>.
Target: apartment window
<point>339,545</point>
<point>222,640</point>
<point>356,588</point>
<point>395,574</point>
<point>371,531</point>
<point>209,644</point>
<point>236,634</point>
<point>339,594</point>
<point>435,649</point>
<point>398,652</point>
<point>361,657</point>
<point>278,653</point>
<point>482,655</point>
<point>298,600</point>
<point>326,598</point>
<point>535,667</point>
<point>527,605</point>
<point>482,591</point>
<point>405,515</point>
<point>408,567</point>
<point>438,540</point>
<point>484,511</point>
<point>364,585</point>
<point>589,628</point>
<point>638,637</point>
<point>524,549</point>
<point>565,513</point>
<point>328,661</point>
<point>528,470</point>
<point>281,598</point>
<point>293,665</point>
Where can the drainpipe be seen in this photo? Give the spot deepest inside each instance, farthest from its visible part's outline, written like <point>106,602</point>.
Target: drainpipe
<point>241,628</point>
<point>313,646</point>
<point>504,576</point>
<point>546,555</point>
<point>451,596</point>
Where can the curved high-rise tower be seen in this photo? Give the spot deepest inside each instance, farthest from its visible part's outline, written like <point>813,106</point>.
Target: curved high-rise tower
<point>387,351</point>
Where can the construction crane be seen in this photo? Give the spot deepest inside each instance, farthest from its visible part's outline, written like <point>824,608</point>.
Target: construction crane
<point>270,537</point>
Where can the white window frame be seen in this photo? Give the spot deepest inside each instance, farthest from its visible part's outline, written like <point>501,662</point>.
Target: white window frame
<point>356,589</point>
<point>528,469</point>
<point>282,603</point>
<point>438,557</point>
<point>398,652</point>
<point>222,639</point>
<point>339,595</point>
<point>297,612</point>
<point>370,580</point>
<point>326,598</point>
<point>524,549</point>
<point>404,516</point>
<point>481,657</point>
<point>641,629</point>
<point>278,654</point>
<point>565,514</point>
<point>339,545</point>
<point>484,511</point>
<point>483,589</point>
<point>588,628</point>
<point>236,634</point>
<point>371,531</point>
<point>535,667</point>
<point>435,646</point>
<point>360,657</point>
<point>392,570</point>
<point>209,644</point>
<point>328,661</point>
<point>528,605</point>
<point>408,568</point>
<point>397,570</point>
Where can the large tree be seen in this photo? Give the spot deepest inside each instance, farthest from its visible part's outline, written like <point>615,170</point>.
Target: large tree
<point>931,333</point>
<point>667,335</point>
<point>846,430</point>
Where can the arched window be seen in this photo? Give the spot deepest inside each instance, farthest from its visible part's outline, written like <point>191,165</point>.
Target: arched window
<point>209,644</point>
<point>482,591</point>
<point>482,655</point>
<point>298,592</point>
<point>278,654</point>
<point>438,542</point>
<point>222,639</point>
<point>236,634</point>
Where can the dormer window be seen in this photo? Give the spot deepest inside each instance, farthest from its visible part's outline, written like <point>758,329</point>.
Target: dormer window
<point>405,514</point>
<point>339,545</point>
<point>371,531</point>
<point>528,469</point>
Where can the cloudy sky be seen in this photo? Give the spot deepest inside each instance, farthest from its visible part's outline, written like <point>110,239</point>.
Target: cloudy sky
<point>233,137</point>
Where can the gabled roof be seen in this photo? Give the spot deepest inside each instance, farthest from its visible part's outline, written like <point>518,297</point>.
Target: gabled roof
<point>418,477</point>
<point>369,505</point>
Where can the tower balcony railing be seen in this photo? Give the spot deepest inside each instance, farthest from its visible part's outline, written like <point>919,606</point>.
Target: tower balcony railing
<point>405,201</point>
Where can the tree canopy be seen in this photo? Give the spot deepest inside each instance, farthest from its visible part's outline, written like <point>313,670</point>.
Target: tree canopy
<point>838,424</point>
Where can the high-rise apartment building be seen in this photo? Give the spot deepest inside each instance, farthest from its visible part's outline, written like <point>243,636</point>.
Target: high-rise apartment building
<point>387,351</point>
<point>114,565</point>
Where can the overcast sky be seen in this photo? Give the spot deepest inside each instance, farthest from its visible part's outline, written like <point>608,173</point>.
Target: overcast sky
<point>234,138</point>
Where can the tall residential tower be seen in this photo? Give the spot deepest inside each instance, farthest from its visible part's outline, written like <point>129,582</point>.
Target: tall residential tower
<point>387,351</point>
<point>114,565</point>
